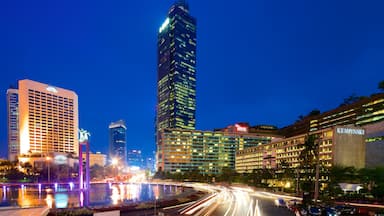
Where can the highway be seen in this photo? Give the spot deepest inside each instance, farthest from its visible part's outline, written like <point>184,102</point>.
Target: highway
<point>232,201</point>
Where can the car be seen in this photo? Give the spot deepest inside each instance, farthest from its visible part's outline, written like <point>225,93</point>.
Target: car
<point>314,211</point>
<point>329,211</point>
<point>292,204</point>
<point>280,202</point>
<point>300,210</point>
<point>345,210</point>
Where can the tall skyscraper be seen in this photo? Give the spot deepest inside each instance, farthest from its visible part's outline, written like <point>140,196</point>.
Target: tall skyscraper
<point>118,141</point>
<point>176,73</point>
<point>176,82</point>
<point>48,119</point>
<point>13,124</point>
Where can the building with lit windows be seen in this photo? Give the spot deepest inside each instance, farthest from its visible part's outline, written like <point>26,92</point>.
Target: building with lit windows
<point>48,119</point>
<point>13,124</point>
<point>176,72</point>
<point>176,83</point>
<point>118,141</point>
<point>339,145</point>
<point>365,111</point>
<point>206,151</point>
<point>134,158</point>
<point>96,159</point>
<point>374,140</point>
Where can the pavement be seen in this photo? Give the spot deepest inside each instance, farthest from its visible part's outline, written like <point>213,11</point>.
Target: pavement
<point>15,211</point>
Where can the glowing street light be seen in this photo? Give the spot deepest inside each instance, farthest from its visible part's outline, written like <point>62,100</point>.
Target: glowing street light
<point>115,161</point>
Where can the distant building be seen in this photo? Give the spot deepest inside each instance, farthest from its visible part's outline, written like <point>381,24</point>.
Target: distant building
<point>13,124</point>
<point>118,141</point>
<point>96,159</point>
<point>340,145</point>
<point>134,158</point>
<point>48,120</point>
<point>365,111</point>
<point>150,164</point>
<point>208,152</point>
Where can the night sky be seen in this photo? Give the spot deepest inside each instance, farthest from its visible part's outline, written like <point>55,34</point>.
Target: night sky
<point>258,61</point>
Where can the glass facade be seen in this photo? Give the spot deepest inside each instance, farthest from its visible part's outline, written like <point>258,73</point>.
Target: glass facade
<point>118,142</point>
<point>134,158</point>
<point>176,84</point>
<point>206,151</point>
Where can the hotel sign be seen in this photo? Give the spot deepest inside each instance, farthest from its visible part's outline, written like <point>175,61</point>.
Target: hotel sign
<point>240,128</point>
<point>352,131</point>
<point>52,89</point>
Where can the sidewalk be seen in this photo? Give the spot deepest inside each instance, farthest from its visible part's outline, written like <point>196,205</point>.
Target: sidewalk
<point>12,211</point>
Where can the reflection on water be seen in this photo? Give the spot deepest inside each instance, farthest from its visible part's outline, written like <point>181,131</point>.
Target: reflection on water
<point>68,195</point>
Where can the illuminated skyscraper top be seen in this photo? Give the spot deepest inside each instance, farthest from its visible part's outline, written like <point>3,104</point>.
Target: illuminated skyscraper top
<point>118,141</point>
<point>176,83</point>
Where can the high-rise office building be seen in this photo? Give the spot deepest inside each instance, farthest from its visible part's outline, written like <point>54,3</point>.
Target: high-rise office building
<point>118,141</point>
<point>176,84</point>
<point>48,119</point>
<point>13,124</point>
<point>176,72</point>
<point>134,158</point>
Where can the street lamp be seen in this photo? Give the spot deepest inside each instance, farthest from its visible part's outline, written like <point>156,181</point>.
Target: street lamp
<point>48,159</point>
<point>115,161</point>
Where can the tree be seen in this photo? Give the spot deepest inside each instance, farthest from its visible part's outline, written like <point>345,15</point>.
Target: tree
<point>308,158</point>
<point>97,172</point>
<point>314,112</point>
<point>227,174</point>
<point>381,85</point>
<point>14,174</point>
<point>353,98</point>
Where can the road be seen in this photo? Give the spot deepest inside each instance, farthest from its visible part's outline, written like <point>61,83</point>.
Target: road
<point>232,201</point>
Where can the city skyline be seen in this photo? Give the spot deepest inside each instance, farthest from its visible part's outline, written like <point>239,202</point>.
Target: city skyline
<point>106,52</point>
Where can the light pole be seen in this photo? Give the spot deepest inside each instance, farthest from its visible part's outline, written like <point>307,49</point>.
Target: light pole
<point>48,159</point>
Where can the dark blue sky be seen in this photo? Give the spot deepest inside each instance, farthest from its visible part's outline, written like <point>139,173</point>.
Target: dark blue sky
<point>258,61</point>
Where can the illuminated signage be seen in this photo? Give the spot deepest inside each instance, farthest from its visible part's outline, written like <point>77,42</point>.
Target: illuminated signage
<point>60,159</point>
<point>350,131</point>
<point>51,89</point>
<point>164,25</point>
<point>240,128</point>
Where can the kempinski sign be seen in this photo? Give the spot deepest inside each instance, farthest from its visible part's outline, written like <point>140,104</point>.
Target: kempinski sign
<point>350,131</point>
